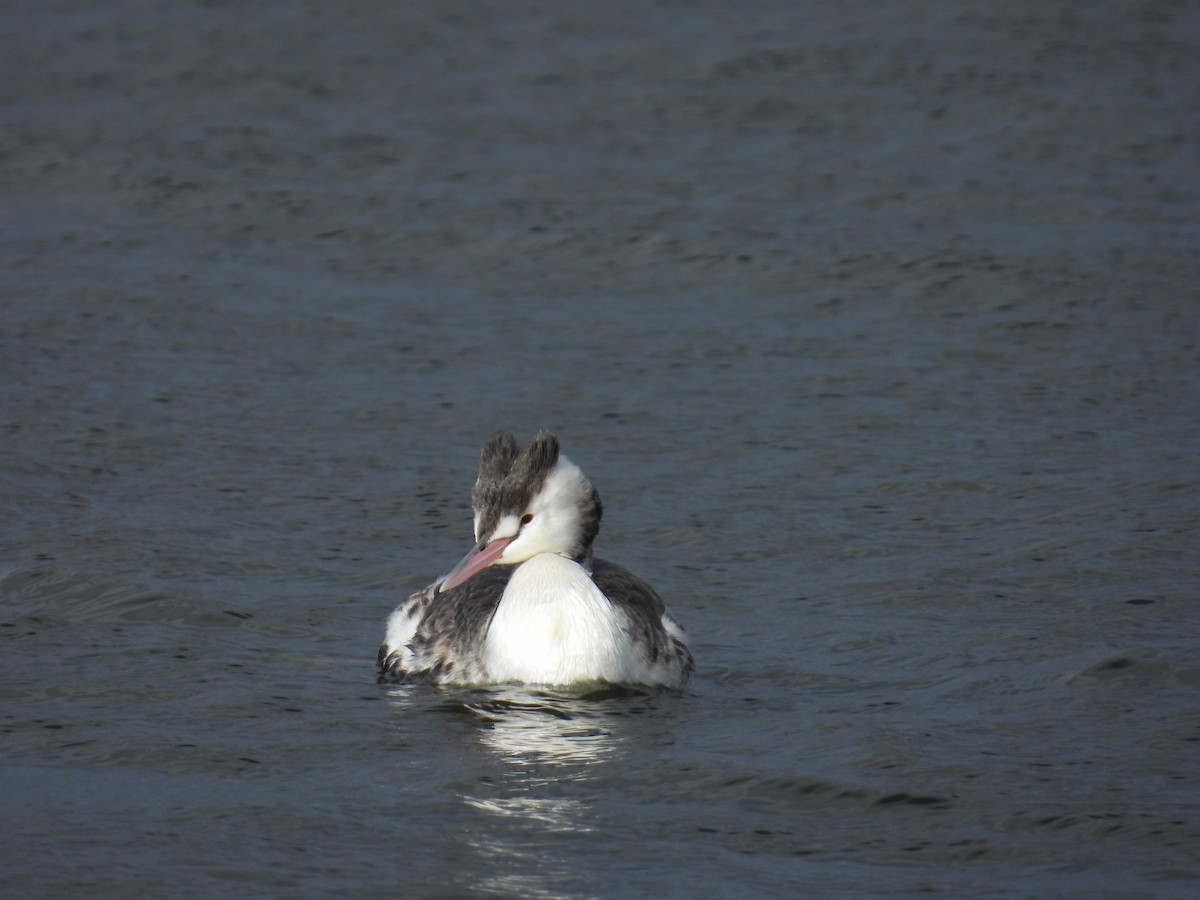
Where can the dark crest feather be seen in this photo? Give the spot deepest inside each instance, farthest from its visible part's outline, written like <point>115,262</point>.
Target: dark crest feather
<point>497,456</point>
<point>509,477</point>
<point>539,457</point>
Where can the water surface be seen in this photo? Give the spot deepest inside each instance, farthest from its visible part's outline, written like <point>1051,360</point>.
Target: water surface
<point>876,330</point>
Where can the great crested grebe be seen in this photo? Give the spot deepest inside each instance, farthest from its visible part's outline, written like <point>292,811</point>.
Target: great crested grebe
<point>529,603</point>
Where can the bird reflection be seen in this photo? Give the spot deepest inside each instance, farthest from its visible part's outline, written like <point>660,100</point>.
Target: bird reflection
<point>548,736</point>
<point>550,745</point>
<point>547,755</point>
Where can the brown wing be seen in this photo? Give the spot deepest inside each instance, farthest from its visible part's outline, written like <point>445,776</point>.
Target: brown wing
<point>643,610</point>
<point>451,627</point>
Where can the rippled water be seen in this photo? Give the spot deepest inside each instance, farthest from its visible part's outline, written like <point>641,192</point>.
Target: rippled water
<point>875,328</point>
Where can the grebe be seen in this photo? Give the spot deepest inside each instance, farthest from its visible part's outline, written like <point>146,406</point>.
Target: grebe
<point>529,603</point>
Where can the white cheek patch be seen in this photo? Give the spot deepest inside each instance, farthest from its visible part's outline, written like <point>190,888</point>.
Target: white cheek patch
<point>507,527</point>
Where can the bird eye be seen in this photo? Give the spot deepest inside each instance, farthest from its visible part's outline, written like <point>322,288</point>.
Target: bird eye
<point>527,518</point>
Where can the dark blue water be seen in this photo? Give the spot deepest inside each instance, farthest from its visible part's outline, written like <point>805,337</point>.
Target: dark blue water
<point>875,328</point>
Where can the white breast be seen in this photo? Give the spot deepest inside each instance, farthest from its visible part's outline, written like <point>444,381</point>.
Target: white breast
<point>554,626</point>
